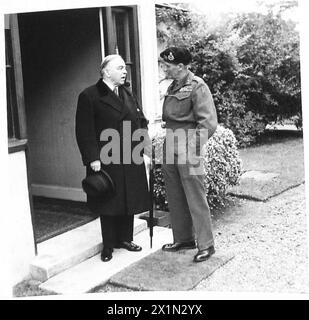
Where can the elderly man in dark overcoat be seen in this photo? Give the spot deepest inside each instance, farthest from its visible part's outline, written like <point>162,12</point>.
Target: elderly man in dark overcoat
<point>107,105</point>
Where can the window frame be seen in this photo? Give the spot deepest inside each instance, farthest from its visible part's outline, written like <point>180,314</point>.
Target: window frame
<point>14,81</point>
<point>132,55</point>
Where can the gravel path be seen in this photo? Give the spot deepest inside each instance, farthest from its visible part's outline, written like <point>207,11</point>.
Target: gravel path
<point>269,240</point>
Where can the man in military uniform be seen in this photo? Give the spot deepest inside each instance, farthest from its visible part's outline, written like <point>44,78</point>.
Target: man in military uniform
<point>188,106</point>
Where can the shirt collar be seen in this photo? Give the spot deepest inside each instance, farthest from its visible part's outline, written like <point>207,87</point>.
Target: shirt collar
<point>110,85</point>
<point>186,80</point>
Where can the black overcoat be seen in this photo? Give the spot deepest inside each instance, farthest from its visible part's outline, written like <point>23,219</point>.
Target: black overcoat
<point>98,109</point>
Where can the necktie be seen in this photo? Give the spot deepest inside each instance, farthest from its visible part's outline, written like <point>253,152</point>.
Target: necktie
<point>173,85</point>
<point>116,91</point>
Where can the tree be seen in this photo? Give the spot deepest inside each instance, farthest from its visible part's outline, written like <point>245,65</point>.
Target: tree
<point>251,64</point>
<point>270,57</point>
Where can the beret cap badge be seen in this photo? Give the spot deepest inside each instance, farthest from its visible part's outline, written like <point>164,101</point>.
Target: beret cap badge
<point>170,57</point>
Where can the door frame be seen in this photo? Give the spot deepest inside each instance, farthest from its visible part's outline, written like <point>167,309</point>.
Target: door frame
<point>109,42</point>
<point>18,142</point>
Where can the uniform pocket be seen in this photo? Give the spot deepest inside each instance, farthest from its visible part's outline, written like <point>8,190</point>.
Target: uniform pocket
<point>182,95</point>
<point>180,104</point>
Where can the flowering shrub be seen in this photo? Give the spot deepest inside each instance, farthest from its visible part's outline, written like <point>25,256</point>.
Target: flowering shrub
<point>222,166</point>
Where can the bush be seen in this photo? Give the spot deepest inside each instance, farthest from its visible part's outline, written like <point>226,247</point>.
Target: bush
<point>222,166</point>
<point>246,125</point>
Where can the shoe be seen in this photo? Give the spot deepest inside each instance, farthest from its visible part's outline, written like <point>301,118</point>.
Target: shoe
<point>106,254</point>
<point>173,247</point>
<point>130,246</point>
<point>203,255</point>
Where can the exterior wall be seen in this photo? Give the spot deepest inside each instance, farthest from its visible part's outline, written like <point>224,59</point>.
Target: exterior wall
<point>21,239</point>
<point>149,58</point>
<point>161,45</point>
<point>5,213</point>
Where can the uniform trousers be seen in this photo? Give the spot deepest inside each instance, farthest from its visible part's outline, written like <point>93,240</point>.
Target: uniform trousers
<point>187,202</point>
<point>116,229</point>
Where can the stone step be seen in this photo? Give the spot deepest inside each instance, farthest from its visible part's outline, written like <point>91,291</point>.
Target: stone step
<point>93,272</point>
<point>71,248</point>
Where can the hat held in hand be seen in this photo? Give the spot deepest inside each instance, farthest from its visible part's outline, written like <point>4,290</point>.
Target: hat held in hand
<point>98,184</point>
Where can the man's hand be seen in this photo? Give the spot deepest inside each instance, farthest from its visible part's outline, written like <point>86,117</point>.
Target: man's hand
<point>96,165</point>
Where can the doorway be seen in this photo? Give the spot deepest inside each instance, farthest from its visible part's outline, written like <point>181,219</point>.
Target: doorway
<point>61,52</point>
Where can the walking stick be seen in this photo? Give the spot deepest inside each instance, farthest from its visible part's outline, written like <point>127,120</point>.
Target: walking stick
<point>151,182</point>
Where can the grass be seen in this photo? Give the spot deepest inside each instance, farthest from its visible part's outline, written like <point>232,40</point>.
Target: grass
<point>282,156</point>
<point>30,288</point>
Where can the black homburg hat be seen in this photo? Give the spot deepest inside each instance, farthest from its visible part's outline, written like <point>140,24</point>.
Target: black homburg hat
<point>98,184</point>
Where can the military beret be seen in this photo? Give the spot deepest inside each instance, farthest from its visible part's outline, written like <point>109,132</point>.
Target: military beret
<point>176,55</point>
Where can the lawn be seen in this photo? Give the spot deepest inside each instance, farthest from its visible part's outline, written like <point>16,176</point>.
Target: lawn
<point>29,288</point>
<point>271,168</point>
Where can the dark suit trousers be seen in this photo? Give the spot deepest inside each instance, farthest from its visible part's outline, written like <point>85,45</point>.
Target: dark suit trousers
<point>116,229</point>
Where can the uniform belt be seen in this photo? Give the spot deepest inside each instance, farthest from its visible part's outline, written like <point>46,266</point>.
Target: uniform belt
<point>174,125</point>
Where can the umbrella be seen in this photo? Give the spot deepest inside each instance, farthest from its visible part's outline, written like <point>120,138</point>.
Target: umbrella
<point>151,183</point>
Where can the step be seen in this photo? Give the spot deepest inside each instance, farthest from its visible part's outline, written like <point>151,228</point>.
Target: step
<point>93,272</point>
<point>71,248</point>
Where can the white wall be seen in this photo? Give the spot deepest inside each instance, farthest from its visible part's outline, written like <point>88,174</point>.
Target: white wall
<point>148,58</point>
<point>16,232</point>
<point>5,281</point>
<point>21,232</point>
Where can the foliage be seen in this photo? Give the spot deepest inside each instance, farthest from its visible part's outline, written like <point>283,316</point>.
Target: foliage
<point>160,199</point>
<point>271,65</point>
<point>232,111</point>
<point>221,162</point>
<point>178,26</point>
<point>173,16</point>
<point>251,65</point>
<point>222,165</point>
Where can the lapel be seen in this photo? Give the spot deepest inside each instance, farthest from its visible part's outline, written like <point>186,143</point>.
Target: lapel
<point>186,80</point>
<point>110,99</point>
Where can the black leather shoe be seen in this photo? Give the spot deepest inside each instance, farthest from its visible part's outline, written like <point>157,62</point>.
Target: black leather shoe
<point>130,246</point>
<point>173,247</point>
<point>203,255</point>
<point>106,254</point>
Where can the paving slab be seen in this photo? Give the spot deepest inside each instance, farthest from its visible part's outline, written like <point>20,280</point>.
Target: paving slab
<point>93,272</point>
<point>259,175</point>
<point>270,169</point>
<point>169,271</point>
